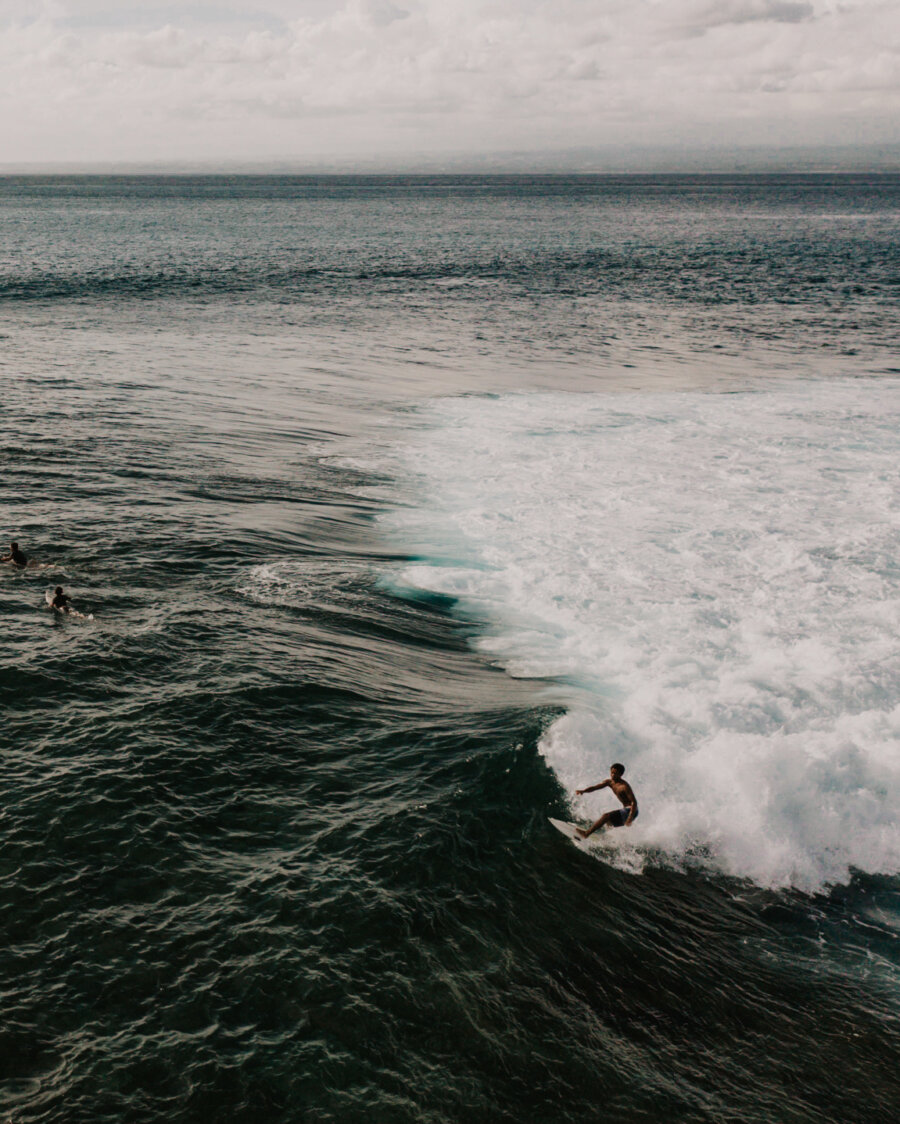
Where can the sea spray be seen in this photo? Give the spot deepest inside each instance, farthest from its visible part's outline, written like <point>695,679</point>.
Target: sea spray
<point>716,576</point>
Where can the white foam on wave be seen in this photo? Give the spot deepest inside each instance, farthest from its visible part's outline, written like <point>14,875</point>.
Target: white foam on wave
<point>718,575</point>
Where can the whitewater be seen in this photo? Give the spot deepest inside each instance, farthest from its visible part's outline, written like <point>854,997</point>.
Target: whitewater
<point>715,578</point>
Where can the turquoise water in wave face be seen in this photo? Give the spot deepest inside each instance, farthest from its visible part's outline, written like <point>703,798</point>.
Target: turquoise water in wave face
<point>400,506</point>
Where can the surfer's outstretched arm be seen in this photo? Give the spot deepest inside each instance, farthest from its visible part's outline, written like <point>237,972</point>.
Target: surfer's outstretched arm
<point>592,788</point>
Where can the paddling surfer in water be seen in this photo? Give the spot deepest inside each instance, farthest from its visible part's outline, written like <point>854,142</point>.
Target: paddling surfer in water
<point>625,815</point>
<point>16,556</point>
<point>60,601</point>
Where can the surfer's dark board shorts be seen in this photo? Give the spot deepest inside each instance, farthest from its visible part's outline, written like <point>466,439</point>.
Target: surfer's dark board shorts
<point>619,818</point>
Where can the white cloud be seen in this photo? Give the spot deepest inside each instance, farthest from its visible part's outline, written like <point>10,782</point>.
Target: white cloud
<point>82,80</point>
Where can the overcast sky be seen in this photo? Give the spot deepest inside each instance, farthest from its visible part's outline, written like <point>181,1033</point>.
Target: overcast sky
<point>116,80</point>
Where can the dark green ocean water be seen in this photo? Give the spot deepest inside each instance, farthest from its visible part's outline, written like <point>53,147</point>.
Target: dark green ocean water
<point>274,832</point>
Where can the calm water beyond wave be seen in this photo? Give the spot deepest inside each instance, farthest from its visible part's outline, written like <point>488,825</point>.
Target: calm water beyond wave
<point>404,507</point>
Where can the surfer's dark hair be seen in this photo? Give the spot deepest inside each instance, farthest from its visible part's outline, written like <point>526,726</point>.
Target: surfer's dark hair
<point>618,767</point>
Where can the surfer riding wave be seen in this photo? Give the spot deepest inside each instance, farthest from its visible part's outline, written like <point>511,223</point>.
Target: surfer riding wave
<point>622,817</point>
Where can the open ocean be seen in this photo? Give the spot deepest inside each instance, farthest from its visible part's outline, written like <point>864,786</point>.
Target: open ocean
<point>403,507</point>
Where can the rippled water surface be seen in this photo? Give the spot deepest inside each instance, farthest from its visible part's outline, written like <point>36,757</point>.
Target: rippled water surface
<point>403,507</point>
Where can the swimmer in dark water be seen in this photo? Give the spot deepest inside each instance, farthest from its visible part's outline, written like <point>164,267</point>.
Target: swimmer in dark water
<point>625,815</point>
<point>60,601</point>
<point>15,555</point>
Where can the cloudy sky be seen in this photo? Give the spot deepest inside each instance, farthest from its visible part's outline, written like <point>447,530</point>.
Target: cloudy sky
<point>247,80</point>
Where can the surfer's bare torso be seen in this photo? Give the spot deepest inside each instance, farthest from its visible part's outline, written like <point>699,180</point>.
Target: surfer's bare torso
<point>622,789</point>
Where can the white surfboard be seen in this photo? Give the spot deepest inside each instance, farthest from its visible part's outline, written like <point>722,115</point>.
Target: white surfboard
<point>568,829</point>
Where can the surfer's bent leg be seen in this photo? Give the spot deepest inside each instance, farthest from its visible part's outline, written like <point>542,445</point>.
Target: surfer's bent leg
<point>602,822</point>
